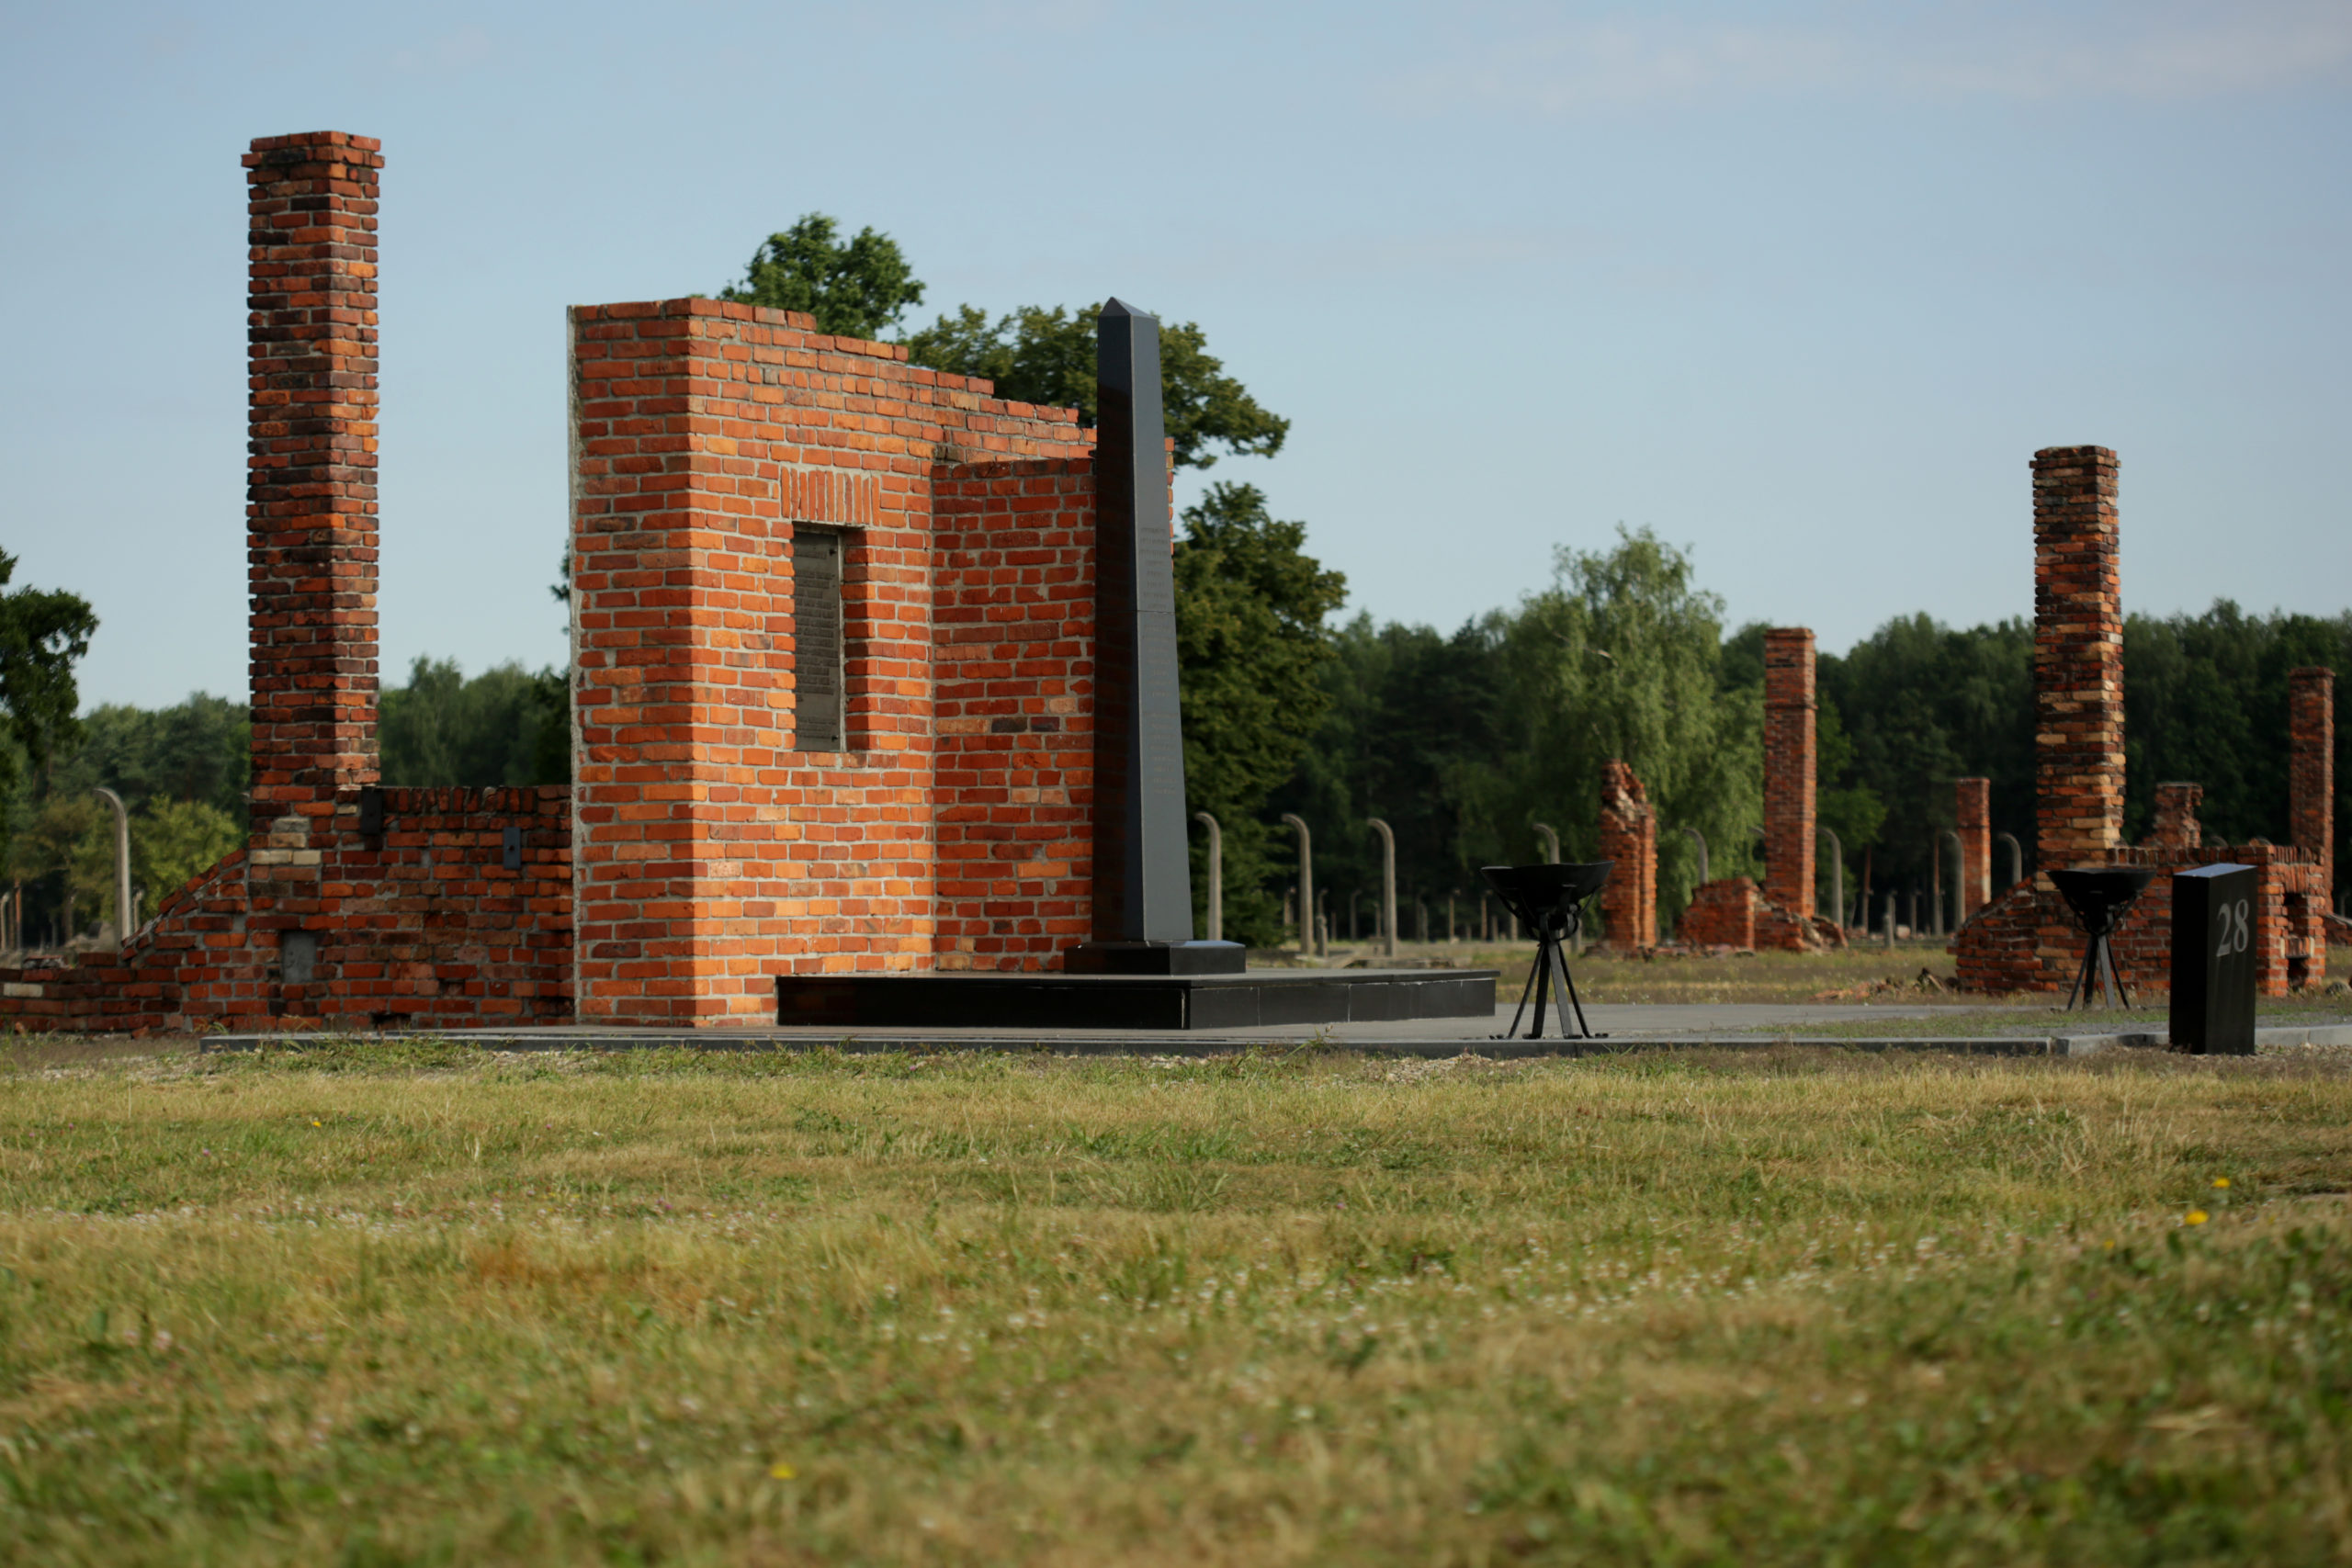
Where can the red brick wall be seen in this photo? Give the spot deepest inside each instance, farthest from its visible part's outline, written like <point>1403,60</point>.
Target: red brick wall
<point>2077,657</point>
<point>1013,664</point>
<point>311,468</point>
<point>2175,825</point>
<point>2027,940</point>
<point>1789,823</point>
<point>1629,837</point>
<point>1722,914</point>
<point>1972,810</point>
<point>423,925</point>
<point>711,855</point>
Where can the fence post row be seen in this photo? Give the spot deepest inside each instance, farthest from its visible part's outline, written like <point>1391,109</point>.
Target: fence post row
<point>1305,882</point>
<point>1387,885</point>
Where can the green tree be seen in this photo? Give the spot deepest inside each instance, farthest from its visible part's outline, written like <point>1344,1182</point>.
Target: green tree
<point>506,725</point>
<point>1925,704</point>
<point>2205,699</point>
<point>172,840</point>
<point>857,288</point>
<point>1463,743</point>
<point>1250,606</point>
<point>196,749</point>
<point>1412,730</point>
<point>1040,355</point>
<point>1619,659</point>
<point>43,633</point>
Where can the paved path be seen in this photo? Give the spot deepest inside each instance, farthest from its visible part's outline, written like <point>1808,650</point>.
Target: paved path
<point>1625,1024</point>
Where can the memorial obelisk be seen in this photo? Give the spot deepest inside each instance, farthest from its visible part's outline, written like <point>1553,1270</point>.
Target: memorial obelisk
<point>1143,896</point>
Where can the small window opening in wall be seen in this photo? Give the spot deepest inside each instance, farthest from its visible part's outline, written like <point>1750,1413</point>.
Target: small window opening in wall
<point>817,652</point>
<point>298,956</point>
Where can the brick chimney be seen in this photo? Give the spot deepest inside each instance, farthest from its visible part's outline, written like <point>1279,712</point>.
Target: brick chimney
<point>1972,799</point>
<point>2077,657</point>
<point>1789,769</point>
<point>311,468</point>
<point>2310,768</point>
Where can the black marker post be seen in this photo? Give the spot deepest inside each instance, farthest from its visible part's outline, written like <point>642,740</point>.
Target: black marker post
<point>1143,894</point>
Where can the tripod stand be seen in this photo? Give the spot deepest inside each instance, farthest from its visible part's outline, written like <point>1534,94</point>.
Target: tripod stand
<point>2100,896</point>
<point>1549,900</point>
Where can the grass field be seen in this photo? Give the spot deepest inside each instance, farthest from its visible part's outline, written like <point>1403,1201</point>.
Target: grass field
<point>413,1304</point>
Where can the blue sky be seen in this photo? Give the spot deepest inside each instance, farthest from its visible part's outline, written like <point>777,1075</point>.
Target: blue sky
<point>1801,286</point>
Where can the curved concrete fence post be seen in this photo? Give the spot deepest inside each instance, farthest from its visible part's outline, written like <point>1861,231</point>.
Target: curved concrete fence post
<point>1700,840</point>
<point>1837,874</point>
<point>1387,886</point>
<point>1305,882</point>
<point>125,916</point>
<point>1959,907</point>
<point>1217,874</point>
<point>1551,837</point>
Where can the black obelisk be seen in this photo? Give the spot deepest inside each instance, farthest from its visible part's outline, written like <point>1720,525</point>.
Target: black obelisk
<point>1143,897</point>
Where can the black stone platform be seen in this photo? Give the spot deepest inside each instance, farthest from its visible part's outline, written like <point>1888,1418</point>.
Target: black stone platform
<point>1253,999</point>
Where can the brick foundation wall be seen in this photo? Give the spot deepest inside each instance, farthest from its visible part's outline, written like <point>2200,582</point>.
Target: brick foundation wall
<point>2175,825</point>
<point>2077,657</point>
<point>1973,813</point>
<point>1722,914</point>
<point>2027,940</point>
<point>423,925</point>
<point>1628,837</point>
<point>1789,769</point>
<point>710,854</point>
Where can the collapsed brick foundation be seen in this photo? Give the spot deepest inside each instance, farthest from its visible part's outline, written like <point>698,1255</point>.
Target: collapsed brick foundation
<point>2027,940</point>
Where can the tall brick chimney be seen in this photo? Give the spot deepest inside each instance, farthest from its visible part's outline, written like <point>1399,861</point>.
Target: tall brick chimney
<point>2077,657</point>
<point>1973,803</point>
<point>2310,768</point>
<point>311,468</point>
<point>1789,769</point>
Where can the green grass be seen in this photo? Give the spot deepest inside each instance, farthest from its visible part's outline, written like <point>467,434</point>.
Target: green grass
<point>409,1304</point>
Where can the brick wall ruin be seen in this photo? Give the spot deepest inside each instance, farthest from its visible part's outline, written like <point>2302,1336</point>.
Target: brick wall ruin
<point>2027,939</point>
<point>1629,838</point>
<point>349,906</point>
<point>714,851</point>
<point>906,786</point>
<point>1722,913</point>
